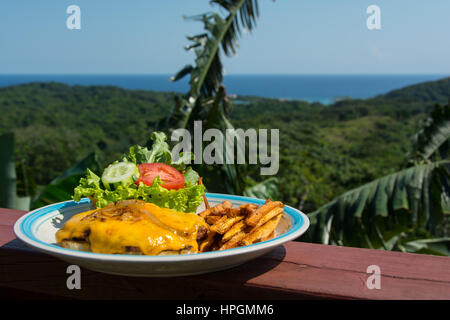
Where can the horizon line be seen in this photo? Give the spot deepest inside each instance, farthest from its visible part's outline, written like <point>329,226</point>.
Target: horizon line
<point>233,74</point>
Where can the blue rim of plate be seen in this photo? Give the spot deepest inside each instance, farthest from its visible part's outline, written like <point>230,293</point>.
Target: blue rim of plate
<point>23,229</point>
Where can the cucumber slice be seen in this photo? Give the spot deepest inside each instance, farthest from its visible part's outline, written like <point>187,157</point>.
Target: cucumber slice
<point>120,173</point>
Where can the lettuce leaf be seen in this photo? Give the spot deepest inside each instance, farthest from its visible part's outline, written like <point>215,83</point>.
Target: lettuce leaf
<point>191,177</point>
<point>160,151</point>
<point>185,199</point>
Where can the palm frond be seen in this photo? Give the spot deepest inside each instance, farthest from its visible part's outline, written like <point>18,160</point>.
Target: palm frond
<point>221,32</point>
<point>206,75</point>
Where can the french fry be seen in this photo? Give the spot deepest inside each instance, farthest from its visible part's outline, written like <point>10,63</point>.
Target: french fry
<point>205,200</point>
<point>216,244</point>
<point>247,208</point>
<point>233,212</point>
<point>212,219</point>
<point>270,236</point>
<point>205,213</point>
<point>234,241</point>
<point>217,225</point>
<point>227,204</point>
<point>221,208</point>
<point>262,232</point>
<point>269,215</point>
<point>238,227</point>
<point>232,227</point>
<point>227,224</point>
<point>254,217</point>
<point>207,243</point>
<point>217,210</point>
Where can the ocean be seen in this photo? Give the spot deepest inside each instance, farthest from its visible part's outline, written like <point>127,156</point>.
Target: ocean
<point>312,88</point>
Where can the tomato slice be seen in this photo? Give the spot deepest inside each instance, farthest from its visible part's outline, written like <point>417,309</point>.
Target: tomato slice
<point>172,178</point>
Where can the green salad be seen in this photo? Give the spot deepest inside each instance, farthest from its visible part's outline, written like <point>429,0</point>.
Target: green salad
<point>148,175</point>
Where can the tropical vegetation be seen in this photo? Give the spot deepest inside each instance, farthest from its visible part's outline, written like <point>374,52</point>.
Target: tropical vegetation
<point>369,172</point>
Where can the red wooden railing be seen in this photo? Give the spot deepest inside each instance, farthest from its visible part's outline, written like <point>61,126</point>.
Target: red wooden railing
<point>294,271</point>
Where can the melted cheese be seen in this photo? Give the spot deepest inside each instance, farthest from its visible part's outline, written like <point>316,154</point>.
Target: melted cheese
<point>148,227</point>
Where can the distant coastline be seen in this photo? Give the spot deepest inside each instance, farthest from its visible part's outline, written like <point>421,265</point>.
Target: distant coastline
<point>324,89</point>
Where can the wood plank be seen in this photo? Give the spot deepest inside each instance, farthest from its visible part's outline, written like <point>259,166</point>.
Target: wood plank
<point>395,264</point>
<point>6,234</point>
<point>293,271</point>
<point>8,216</point>
<point>7,219</point>
<point>38,273</point>
<point>263,278</point>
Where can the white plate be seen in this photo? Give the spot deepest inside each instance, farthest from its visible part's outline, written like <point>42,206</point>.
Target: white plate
<point>37,229</point>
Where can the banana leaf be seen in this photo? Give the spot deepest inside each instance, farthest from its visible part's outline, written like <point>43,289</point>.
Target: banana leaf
<point>434,246</point>
<point>377,213</point>
<point>61,188</point>
<point>264,190</point>
<point>225,177</point>
<point>434,136</point>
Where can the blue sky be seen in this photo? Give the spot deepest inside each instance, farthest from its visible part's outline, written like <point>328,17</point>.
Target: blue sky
<point>293,37</point>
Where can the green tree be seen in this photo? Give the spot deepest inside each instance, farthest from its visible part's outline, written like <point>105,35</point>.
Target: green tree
<point>9,197</point>
<point>401,211</point>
